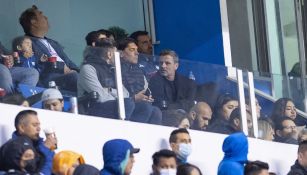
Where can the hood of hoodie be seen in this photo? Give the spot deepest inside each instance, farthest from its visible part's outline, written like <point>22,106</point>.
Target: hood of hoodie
<point>114,152</point>
<point>235,147</point>
<point>12,151</point>
<point>93,55</point>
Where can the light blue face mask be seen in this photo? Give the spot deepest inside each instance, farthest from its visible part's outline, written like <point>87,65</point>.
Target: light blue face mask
<point>184,151</point>
<point>124,163</point>
<point>169,171</point>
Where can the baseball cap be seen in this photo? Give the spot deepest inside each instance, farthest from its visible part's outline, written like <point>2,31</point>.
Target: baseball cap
<point>51,94</point>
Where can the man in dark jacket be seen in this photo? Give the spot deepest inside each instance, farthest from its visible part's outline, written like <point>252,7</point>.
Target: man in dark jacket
<point>170,89</point>
<point>61,69</point>
<point>285,131</point>
<point>135,82</point>
<point>300,165</point>
<point>235,148</point>
<point>118,157</point>
<point>28,125</point>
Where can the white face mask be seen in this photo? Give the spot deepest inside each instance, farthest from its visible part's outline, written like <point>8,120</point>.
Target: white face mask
<point>184,151</point>
<point>169,171</point>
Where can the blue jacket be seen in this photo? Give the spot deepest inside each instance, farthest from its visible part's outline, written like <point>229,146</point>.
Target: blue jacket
<point>28,62</point>
<point>45,155</point>
<point>114,153</point>
<point>235,148</point>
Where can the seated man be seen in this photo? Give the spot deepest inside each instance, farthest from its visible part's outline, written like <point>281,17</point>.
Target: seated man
<point>170,89</point>
<point>285,131</point>
<point>234,124</point>
<point>52,99</point>
<point>256,168</point>
<point>136,83</point>
<point>164,161</point>
<point>146,60</point>
<point>97,75</point>
<point>59,67</point>
<point>180,142</point>
<point>28,125</point>
<point>11,75</point>
<point>201,114</point>
<point>300,165</point>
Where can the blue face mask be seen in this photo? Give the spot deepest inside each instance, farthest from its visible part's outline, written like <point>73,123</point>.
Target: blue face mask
<point>184,151</point>
<point>169,171</point>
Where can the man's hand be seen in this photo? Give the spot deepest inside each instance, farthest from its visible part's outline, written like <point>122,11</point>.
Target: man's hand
<point>8,60</point>
<point>51,142</point>
<point>67,70</point>
<point>142,97</point>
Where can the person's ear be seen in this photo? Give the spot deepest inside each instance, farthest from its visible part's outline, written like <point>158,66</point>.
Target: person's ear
<point>278,133</point>
<point>176,66</point>
<point>18,47</point>
<point>237,123</point>
<point>193,115</point>
<point>109,54</point>
<point>173,146</point>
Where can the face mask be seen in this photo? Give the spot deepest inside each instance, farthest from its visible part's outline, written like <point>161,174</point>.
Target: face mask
<point>184,151</point>
<point>170,171</point>
<point>30,165</point>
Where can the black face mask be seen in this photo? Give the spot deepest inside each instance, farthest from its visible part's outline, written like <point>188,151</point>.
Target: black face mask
<point>30,165</point>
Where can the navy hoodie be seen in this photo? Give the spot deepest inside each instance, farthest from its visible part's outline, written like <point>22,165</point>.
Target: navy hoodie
<point>235,148</point>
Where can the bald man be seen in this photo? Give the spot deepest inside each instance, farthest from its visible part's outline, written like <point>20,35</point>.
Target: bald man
<point>201,114</point>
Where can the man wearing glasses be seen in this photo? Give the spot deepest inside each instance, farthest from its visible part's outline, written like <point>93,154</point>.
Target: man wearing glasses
<point>285,131</point>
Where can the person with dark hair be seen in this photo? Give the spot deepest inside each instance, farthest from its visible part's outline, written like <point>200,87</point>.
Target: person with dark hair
<point>201,114</point>
<point>118,157</point>
<point>164,162</point>
<point>170,89</point>
<point>136,83</point>
<point>235,148</point>
<point>103,33</point>
<point>91,38</point>
<point>147,61</point>
<point>178,118</point>
<point>97,75</point>
<point>86,169</point>
<point>286,107</point>
<point>300,165</point>
<point>235,123</point>
<point>225,104</point>
<point>285,130</point>
<point>12,75</point>
<point>188,169</point>
<point>180,143</point>
<point>23,46</point>
<point>18,156</point>
<point>28,125</point>
<point>256,168</point>
<point>16,99</point>
<point>35,25</point>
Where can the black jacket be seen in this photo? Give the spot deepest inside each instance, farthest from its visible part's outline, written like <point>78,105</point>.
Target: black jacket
<point>179,94</point>
<point>297,169</point>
